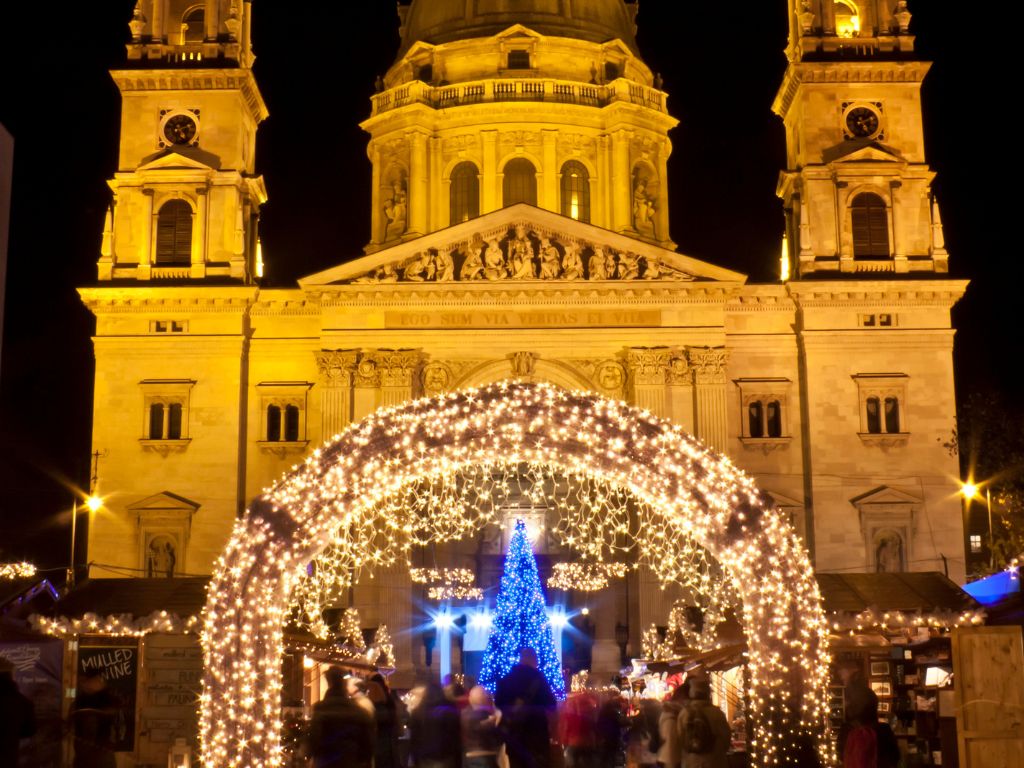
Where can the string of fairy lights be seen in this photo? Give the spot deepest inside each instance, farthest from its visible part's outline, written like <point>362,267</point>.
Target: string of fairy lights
<point>434,469</point>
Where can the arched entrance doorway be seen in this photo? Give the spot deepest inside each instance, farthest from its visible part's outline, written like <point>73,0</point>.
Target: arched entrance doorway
<point>696,494</point>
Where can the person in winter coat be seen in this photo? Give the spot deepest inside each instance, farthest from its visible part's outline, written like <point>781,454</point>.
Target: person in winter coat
<point>341,733</point>
<point>481,736</point>
<point>526,703</point>
<point>435,733</point>
<point>93,715</point>
<point>670,754</point>
<point>17,715</point>
<point>715,753</point>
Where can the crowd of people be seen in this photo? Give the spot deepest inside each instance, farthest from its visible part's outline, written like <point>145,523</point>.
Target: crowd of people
<point>360,723</point>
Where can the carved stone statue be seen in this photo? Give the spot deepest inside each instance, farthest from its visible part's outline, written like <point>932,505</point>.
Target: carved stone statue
<point>629,266</point>
<point>550,266</point>
<point>598,264</point>
<point>396,210</point>
<point>473,266</point>
<point>494,262</point>
<point>643,207</point>
<point>444,267</point>
<point>572,264</point>
<point>888,552</point>
<point>653,270</point>
<point>161,558</point>
<point>520,254</point>
<point>420,268</point>
<point>609,265</point>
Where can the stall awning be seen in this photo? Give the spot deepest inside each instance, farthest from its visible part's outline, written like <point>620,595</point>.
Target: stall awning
<point>182,597</point>
<point>909,592</point>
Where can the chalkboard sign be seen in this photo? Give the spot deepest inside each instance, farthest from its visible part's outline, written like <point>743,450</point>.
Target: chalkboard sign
<point>119,665</point>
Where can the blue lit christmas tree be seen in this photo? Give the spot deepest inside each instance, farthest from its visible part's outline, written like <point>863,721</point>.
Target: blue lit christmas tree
<point>520,619</point>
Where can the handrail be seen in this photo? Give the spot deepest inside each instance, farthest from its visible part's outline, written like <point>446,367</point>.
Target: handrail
<point>536,89</point>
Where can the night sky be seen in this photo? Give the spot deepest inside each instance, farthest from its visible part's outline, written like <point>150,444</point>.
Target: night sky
<point>316,65</point>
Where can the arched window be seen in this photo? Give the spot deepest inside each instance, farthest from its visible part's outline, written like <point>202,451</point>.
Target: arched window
<point>520,182</point>
<point>892,414</point>
<point>273,423</point>
<point>156,421</point>
<point>874,415</point>
<point>174,233</point>
<point>870,227</point>
<point>174,421</point>
<point>193,25</point>
<point>291,423</point>
<point>576,191</point>
<point>847,17</point>
<point>773,418</point>
<point>465,193</point>
<point>755,414</point>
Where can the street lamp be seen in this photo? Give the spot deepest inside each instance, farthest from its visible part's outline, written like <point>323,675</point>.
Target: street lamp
<point>92,503</point>
<point>971,491</point>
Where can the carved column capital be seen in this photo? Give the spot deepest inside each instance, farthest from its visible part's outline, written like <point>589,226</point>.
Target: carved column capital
<point>708,364</point>
<point>336,366</point>
<point>648,365</point>
<point>394,367</point>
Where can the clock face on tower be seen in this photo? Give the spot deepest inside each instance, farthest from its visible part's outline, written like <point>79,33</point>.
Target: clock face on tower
<point>180,129</point>
<point>862,122</point>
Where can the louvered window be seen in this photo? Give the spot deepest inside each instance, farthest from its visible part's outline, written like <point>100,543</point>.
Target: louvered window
<point>174,233</point>
<point>870,227</point>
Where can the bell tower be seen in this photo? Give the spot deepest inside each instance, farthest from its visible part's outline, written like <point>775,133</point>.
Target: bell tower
<point>857,187</point>
<point>186,195</point>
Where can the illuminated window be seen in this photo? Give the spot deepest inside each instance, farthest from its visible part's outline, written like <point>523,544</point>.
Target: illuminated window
<point>166,407</point>
<point>847,18</point>
<point>576,191</point>
<point>464,194</point>
<point>174,233</point>
<point>870,227</point>
<point>520,182</point>
<point>975,543</point>
<point>193,25</point>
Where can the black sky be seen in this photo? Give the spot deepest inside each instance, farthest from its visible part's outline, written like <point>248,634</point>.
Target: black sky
<point>316,64</point>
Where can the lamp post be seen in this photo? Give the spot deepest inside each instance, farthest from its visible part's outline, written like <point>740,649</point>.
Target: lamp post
<point>92,503</point>
<point>971,491</point>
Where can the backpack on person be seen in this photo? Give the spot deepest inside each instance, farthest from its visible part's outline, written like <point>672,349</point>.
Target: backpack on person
<point>697,736</point>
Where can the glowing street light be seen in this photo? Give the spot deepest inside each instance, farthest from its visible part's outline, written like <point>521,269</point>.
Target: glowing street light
<point>971,490</point>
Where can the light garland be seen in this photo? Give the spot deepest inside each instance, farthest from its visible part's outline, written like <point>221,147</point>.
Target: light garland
<point>445,576</point>
<point>454,592</point>
<point>585,577</point>
<point>872,619</point>
<point>347,500</point>
<point>12,571</point>
<point>382,647</point>
<point>116,626</point>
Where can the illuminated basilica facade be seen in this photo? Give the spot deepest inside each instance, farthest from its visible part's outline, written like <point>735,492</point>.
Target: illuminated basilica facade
<point>521,229</point>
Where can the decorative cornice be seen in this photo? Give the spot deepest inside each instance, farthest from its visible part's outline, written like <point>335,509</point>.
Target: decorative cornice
<point>826,72</point>
<point>857,293</point>
<point>239,79</point>
<point>144,298</point>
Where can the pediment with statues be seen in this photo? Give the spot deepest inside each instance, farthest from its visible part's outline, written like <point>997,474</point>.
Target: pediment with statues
<point>522,243</point>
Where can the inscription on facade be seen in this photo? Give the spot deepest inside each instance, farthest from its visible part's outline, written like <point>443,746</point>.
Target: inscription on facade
<point>535,319</point>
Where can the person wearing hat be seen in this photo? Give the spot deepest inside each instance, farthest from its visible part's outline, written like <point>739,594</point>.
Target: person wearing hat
<point>704,734</point>
<point>17,715</point>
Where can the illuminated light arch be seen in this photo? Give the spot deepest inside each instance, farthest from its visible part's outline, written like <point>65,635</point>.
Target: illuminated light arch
<point>699,494</point>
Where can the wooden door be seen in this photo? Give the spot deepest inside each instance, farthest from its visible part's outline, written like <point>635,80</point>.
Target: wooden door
<point>988,663</point>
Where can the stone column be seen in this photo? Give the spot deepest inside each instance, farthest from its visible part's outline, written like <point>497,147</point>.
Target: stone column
<point>376,229</point>
<point>336,371</point>
<point>550,174</point>
<point>621,183</point>
<point>418,186</point>
<point>157,22</point>
<point>199,233</point>
<point>601,216</point>
<point>647,376</point>
<point>438,216</point>
<point>397,368</point>
<point>899,252</point>
<point>709,384</point>
<point>147,250</point>
<point>680,391</point>
<point>661,214</point>
<point>489,191</point>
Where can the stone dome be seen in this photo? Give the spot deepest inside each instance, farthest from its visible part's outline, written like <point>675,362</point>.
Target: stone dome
<point>444,21</point>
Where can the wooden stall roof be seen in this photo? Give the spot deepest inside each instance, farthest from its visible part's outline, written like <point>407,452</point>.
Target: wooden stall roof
<point>183,597</point>
<point>927,591</point>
